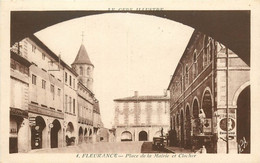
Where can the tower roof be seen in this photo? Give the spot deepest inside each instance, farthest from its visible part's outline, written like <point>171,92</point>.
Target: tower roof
<point>82,57</point>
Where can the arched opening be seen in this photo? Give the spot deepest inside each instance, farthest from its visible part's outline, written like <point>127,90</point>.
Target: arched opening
<point>126,136</point>
<point>205,51</point>
<point>15,125</point>
<point>188,127</point>
<point>182,129</point>
<point>55,134</point>
<point>207,104</point>
<point>205,116</point>
<point>70,138</point>
<point>88,71</point>
<point>143,136</point>
<point>195,113</point>
<point>85,134</point>
<point>37,133</point>
<point>80,135</point>
<point>243,121</point>
<point>81,70</point>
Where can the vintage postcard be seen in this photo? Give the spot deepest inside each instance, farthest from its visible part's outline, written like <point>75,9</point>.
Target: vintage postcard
<point>144,81</point>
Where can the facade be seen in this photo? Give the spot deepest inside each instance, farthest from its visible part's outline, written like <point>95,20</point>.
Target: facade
<point>140,118</point>
<point>19,123</point>
<point>210,84</point>
<point>51,105</point>
<point>46,114</point>
<point>70,106</point>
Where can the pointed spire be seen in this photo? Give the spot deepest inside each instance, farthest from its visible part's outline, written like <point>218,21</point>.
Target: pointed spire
<point>82,56</point>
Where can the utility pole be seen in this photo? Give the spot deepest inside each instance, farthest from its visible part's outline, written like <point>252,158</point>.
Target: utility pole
<point>227,109</point>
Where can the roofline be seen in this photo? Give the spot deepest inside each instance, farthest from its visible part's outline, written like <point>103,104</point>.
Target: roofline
<point>83,64</point>
<point>86,88</point>
<point>20,59</point>
<point>137,99</point>
<point>39,43</point>
<point>185,51</point>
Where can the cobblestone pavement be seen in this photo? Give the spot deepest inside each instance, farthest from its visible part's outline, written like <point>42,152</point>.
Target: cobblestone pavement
<point>100,147</point>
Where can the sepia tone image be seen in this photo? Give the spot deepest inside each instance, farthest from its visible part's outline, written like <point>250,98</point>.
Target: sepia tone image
<point>142,81</point>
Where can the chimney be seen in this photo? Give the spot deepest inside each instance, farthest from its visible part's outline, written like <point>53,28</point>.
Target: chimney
<point>136,93</point>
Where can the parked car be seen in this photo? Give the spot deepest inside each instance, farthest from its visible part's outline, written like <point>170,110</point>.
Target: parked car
<point>158,143</point>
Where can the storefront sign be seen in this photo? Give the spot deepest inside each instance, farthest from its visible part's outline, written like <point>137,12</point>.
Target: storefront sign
<point>207,125</point>
<point>19,112</point>
<point>32,121</point>
<point>227,125</point>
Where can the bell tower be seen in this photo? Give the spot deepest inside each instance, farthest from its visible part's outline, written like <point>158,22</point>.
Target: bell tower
<point>84,68</point>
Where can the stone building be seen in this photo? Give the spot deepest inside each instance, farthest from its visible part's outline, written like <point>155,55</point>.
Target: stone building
<point>83,66</point>
<point>45,95</point>
<point>70,106</point>
<point>140,118</point>
<point>19,82</point>
<point>52,104</point>
<point>209,84</point>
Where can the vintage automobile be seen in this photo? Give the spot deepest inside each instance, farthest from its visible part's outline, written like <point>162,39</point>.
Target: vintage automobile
<point>158,143</point>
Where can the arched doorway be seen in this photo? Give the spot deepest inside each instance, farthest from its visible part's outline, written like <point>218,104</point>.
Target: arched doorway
<point>182,129</point>
<point>207,104</point>
<point>70,138</point>
<point>126,136</point>
<point>206,122</point>
<point>195,113</point>
<point>143,136</point>
<point>85,134</point>
<point>37,132</point>
<point>188,127</point>
<point>55,133</point>
<point>80,135</point>
<point>243,120</point>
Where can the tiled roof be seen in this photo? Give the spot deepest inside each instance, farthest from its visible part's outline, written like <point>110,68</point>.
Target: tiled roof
<point>82,57</point>
<point>142,98</point>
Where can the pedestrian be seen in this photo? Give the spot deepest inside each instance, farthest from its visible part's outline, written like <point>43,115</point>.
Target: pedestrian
<point>203,150</point>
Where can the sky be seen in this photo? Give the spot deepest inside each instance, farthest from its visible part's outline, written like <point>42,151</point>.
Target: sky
<point>130,52</point>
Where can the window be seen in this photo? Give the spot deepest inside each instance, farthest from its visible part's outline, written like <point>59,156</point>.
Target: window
<point>81,70</point>
<point>74,106</point>
<point>195,65</point>
<point>33,48</point>
<point>43,84</point>
<point>70,80</point>
<point>88,71</point>
<point>70,104</point>
<point>74,83</point>
<point>211,51</point>
<point>34,79</point>
<point>181,83</point>
<point>52,88</point>
<point>52,91</point>
<point>66,103</point>
<point>186,74</point>
<point>66,77</point>
<point>43,56</point>
<point>59,91</point>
